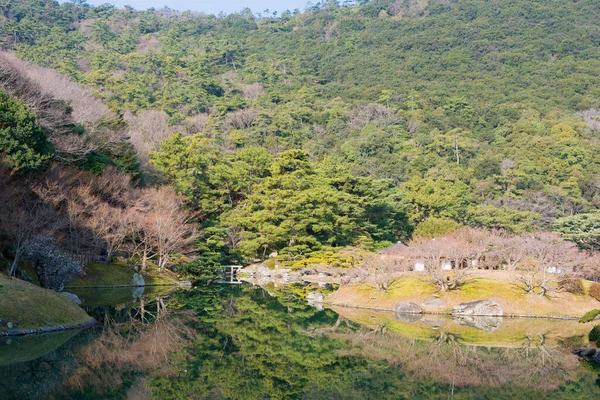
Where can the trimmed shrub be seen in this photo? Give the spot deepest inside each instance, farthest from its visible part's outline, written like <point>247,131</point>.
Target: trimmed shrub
<point>571,285</point>
<point>595,291</point>
<point>595,334</point>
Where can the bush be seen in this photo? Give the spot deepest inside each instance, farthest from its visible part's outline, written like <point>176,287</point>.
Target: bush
<point>205,269</point>
<point>433,227</point>
<point>589,316</point>
<point>595,334</point>
<point>571,285</point>
<point>595,291</point>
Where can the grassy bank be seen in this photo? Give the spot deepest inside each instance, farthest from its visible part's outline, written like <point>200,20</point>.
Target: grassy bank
<point>496,285</point>
<point>30,307</point>
<point>120,274</point>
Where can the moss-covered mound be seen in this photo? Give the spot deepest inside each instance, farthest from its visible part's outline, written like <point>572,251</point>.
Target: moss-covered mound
<point>27,307</point>
<point>120,274</point>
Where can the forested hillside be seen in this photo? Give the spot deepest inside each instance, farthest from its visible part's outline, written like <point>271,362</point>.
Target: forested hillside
<point>336,126</point>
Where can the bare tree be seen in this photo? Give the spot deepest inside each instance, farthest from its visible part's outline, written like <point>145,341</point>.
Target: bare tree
<point>22,216</point>
<point>166,227</point>
<point>241,119</point>
<point>378,114</point>
<point>147,130</point>
<point>253,91</point>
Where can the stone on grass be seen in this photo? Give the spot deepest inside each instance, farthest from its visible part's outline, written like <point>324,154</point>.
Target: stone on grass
<point>480,308</point>
<point>138,280</point>
<point>72,297</point>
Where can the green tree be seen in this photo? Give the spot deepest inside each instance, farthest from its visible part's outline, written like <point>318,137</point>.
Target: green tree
<point>22,141</point>
<point>583,229</point>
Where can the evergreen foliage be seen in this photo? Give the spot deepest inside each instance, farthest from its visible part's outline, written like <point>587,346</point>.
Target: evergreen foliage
<point>22,140</point>
<point>478,112</point>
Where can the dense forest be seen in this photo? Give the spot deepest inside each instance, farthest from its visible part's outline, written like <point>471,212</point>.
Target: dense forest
<point>300,132</point>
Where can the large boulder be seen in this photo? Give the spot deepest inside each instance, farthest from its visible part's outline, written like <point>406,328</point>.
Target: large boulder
<point>138,280</point>
<point>480,308</point>
<point>72,297</point>
<point>407,308</point>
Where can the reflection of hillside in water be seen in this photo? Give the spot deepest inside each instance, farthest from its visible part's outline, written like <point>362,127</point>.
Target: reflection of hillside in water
<point>531,353</point>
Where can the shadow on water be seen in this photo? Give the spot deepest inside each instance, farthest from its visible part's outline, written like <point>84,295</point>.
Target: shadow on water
<point>243,342</point>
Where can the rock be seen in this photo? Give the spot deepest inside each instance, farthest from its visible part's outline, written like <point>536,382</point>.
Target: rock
<point>488,324</point>
<point>588,352</point>
<point>315,297</point>
<point>9,325</point>
<point>138,280</point>
<point>479,308</point>
<point>577,351</point>
<point>407,308</point>
<point>72,297</point>
<point>434,303</point>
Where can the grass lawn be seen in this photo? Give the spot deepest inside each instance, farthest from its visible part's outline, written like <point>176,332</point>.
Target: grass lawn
<point>120,274</point>
<point>496,285</point>
<point>30,307</point>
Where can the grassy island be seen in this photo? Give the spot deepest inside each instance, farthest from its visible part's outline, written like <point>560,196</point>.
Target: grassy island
<point>28,307</point>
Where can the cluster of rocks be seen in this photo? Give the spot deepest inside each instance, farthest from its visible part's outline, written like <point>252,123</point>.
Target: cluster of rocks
<point>484,315</point>
<point>487,308</point>
<point>261,275</point>
<point>6,324</point>
<point>589,353</point>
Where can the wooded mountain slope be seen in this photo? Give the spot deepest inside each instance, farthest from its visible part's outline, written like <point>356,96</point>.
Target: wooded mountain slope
<point>478,112</point>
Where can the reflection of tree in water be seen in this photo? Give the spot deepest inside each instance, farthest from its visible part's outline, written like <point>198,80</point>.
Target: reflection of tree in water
<point>534,365</point>
<point>31,380</point>
<point>239,342</point>
<point>104,360</point>
<point>141,344</point>
<point>38,378</point>
<point>251,345</point>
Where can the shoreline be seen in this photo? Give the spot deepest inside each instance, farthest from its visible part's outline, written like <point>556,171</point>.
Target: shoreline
<point>120,286</point>
<point>49,329</point>
<point>447,313</point>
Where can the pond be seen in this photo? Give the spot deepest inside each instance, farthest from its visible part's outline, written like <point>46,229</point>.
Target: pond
<point>242,342</point>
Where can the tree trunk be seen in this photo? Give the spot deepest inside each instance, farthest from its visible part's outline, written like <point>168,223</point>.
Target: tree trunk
<point>15,263</point>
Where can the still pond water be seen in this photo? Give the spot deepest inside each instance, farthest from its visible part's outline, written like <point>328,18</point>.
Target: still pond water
<point>240,342</point>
